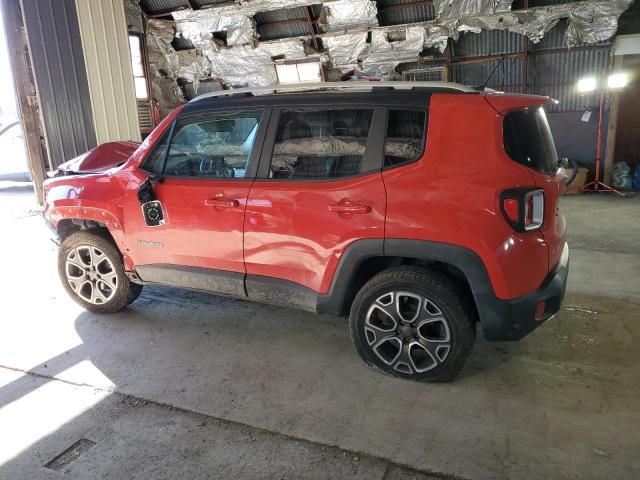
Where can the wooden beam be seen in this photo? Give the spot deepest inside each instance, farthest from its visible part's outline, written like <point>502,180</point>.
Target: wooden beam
<point>25,92</point>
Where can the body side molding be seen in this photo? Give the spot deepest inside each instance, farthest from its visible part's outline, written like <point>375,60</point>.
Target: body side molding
<point>194,278</point>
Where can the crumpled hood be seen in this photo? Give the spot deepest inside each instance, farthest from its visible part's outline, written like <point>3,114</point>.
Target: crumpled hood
<point>103,157</point>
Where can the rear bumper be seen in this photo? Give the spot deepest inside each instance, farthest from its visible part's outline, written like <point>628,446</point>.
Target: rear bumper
<point>514,319</point>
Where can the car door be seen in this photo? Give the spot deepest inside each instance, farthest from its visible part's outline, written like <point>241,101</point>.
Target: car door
<point>209,166</point>
<point>318,190</point>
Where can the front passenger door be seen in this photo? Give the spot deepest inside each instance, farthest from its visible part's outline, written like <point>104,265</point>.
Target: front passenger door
<point>207,173</point>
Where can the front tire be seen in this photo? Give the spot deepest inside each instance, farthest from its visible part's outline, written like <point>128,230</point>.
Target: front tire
<point>91,270</point>
<point>413,323</point>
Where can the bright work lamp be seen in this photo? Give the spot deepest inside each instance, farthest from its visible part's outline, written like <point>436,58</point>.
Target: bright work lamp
<point>615,82</point>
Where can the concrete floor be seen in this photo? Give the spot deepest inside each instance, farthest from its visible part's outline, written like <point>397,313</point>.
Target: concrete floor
<point>185,385</point>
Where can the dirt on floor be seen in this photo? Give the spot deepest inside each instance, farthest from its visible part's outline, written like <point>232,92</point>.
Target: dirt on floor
<point>187,385</point>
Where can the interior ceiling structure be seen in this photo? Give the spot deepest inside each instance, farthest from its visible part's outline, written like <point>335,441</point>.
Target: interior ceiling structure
<point>239,42</point>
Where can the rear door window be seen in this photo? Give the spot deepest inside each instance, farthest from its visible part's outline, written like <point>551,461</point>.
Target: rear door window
<point>528,140</point>
<point>405,136</point>
<point>321,143</point>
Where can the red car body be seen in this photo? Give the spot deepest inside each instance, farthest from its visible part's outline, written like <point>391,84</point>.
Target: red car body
<point>298,232</point>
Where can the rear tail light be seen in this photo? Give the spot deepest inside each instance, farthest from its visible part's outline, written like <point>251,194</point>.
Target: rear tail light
<point>523,208</point>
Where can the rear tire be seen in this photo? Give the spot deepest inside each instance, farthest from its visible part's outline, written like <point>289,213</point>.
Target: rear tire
<point>413,323</point>
<point>91,270</point>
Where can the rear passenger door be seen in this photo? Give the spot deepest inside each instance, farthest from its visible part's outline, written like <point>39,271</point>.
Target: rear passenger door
<point>318,190</point>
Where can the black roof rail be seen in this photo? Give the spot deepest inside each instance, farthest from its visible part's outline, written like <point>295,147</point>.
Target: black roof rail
<point>347,86</point>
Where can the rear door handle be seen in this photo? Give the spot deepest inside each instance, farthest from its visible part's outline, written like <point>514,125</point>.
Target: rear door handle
<point>221,203</point>
<point>348,206</point>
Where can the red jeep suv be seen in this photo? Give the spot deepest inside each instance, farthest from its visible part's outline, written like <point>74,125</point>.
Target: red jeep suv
<point>415,209</point>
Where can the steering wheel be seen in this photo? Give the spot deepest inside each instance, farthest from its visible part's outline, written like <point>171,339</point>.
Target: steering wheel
<point>215,166</point>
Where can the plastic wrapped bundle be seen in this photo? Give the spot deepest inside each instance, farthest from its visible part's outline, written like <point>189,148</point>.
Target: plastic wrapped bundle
<point>622,176</point>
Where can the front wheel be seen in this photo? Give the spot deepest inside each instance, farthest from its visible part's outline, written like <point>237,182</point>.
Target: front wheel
<point>92,273</point>
<point>413,323</point>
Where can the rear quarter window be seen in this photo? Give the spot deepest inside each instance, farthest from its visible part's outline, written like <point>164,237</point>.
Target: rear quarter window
<point>405,137</point>
<point>528,140</point>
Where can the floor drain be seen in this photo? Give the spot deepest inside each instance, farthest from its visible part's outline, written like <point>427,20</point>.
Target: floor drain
<point>70,454</point>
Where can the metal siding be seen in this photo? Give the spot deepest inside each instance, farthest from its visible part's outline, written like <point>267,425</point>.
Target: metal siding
<point>557,38</point>
<point>156,7</point>
<point>180,43</point>
<point>273,32</point>
<point>390,13</point>
<point>544,3</point>
<point>61,81</point>
<point>553,74</point>
<point>109,71</point>
<point>557,74</point>
<point>508,77</point>
<point>296,28</point>
<point>487,42</point>
<point>205,3</point>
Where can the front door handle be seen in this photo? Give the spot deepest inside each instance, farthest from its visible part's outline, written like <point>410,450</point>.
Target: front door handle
<point>221,203</point>
<point>348,206</point>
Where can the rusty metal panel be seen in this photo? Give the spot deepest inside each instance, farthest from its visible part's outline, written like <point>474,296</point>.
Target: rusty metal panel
<point>56,49</point>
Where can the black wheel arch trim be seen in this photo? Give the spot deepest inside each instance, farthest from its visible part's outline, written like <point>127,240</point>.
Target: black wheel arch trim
<point>500,319</point>
<point>462,258</point>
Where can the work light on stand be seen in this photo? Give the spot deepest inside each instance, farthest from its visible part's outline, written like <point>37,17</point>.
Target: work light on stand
<point>589,85</point>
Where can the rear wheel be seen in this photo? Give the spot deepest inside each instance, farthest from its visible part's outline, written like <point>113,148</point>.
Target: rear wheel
<point>413,323</point>
<point>92,273</point>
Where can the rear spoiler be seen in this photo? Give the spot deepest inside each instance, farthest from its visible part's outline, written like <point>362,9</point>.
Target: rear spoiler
<point>504,103</point>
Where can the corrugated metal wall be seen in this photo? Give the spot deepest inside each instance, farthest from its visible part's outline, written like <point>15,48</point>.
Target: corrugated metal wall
<point>103,29</point>
<point>553,69</point>
<point>61,80</point>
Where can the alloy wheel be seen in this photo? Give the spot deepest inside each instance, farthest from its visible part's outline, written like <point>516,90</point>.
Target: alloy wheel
<point>408,332</point>
<point>91,274</point>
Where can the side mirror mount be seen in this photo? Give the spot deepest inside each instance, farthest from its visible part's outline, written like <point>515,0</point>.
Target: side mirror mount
<point>152,210</point>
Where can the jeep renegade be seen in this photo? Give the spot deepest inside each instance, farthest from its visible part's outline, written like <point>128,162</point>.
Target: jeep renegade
<point>419,210</point>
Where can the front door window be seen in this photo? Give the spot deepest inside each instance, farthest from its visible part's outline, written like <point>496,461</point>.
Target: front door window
<point>212,146</point>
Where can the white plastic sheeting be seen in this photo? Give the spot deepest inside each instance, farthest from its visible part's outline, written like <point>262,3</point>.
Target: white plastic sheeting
<point>199,25</point>
<point>345,50</point>
<point>595,21</point>
<point>343,15</point>
<point>248,65</point>
<point>236,20</point>
<point>590,21</point>
<point>345,26</point>
<point>387,50</point>
<point>464,8</point>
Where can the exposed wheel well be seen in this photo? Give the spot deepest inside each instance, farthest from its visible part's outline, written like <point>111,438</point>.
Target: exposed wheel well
<point>374,265</point>
<point>67,227</point>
